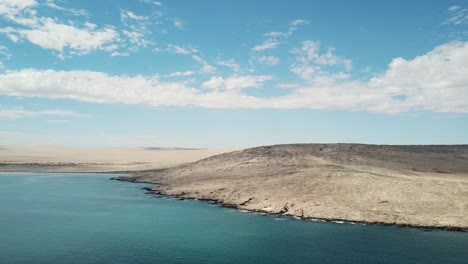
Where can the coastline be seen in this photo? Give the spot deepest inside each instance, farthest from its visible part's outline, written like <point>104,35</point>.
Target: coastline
<point>184,196</point>
<point>416,186</point>
<point>126,176</point>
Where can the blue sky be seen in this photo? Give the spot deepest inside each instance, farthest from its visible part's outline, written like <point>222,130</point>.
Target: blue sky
<point>232,73</point>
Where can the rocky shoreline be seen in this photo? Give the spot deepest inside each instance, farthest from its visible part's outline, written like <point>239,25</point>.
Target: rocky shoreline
<point>417,186</point>
<point>184,196</point>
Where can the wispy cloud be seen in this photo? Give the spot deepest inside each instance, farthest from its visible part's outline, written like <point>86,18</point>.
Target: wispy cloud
<point>120,54</point>
<point>309,63</point>
<point>195,54</point>
<point>206,67</point>
<point>157,3</point>
<point>456,15</point>
<point>294,25</point>
<point>181,50</point>
<point>76,12</point>
<point>272,41</point>
<point>236,82</point>
<point>267,44</point>
<point>180,74</point>
<point>231,63</point>
<point>4,52</point>
<point>16,113</point>
<point>268,60</point>
<point>178,23</point>
<point>136,29</point>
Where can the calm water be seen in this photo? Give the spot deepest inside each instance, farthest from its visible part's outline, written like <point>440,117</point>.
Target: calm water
<point>86,218</point>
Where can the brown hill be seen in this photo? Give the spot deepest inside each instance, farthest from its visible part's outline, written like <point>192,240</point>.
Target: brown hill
<point>405,185</point>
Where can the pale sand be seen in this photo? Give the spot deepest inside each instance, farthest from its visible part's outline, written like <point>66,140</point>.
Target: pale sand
<point>86,159</point>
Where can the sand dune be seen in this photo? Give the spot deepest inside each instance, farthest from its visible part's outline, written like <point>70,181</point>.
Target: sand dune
<point>424,186</point>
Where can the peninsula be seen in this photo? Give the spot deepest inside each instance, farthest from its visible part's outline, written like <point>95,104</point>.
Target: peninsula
<point>421,186</point>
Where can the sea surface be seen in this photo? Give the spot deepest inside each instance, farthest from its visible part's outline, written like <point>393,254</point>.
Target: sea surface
<point>87,218</point>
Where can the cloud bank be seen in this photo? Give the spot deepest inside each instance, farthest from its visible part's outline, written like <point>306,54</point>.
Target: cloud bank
<point>436,81</point>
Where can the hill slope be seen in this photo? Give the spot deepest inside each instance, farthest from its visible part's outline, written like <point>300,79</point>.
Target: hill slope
<point>404,185</point>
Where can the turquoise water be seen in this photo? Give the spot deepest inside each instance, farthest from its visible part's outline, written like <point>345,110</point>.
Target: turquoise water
<point>87,218</point>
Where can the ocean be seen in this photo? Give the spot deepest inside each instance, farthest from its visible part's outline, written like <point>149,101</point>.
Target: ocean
<point>87,218</point>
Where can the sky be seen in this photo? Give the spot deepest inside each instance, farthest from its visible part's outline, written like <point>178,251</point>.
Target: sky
<point>233,73</point>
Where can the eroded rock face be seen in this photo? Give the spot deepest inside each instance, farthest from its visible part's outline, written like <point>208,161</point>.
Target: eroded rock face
<point>405,185</point>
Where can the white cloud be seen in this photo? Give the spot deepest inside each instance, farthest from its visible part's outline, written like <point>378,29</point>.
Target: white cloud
<point>456,16</point>
<point>50,33</point>
<point>206,67</point>
<point>309,64</point>
<point>298,22</point>
<point>126,15</point>
<point>4,52</point>
<point>231,63</point>
<point>120,54</point>
<point>309,51</point>
<point>293,26</point>
<point>195,54</point>
<point>276,34</point>
<point>136,29</point>
<point>180,74</point>
<point>178,23</point>
<point>268,44</point>
<point>67,37</point>
<point>137,38</point>
<point>331,59</point>
<point>16,113</point>
<point>268,60</point>
<point>180,50</point>
<point>435,81</point>
<point>453,8</point>
<point>76,12</point>
<point>157,3</point>
<point>236,82</point>
<point>94,87</point>
<point>10,8</point>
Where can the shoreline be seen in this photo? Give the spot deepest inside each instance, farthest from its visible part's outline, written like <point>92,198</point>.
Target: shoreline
<point>126,176</point>
<point>416,186</point>
<point>155,191</point>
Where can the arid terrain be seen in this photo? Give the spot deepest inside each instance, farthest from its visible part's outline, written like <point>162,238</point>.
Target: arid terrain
<point>424,186</point>
<point>85,159</point>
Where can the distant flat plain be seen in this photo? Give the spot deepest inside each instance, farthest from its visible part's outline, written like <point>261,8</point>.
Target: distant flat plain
<point>93,159</point>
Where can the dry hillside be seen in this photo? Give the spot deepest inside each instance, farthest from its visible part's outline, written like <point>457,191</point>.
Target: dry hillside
<point>423,186</point>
